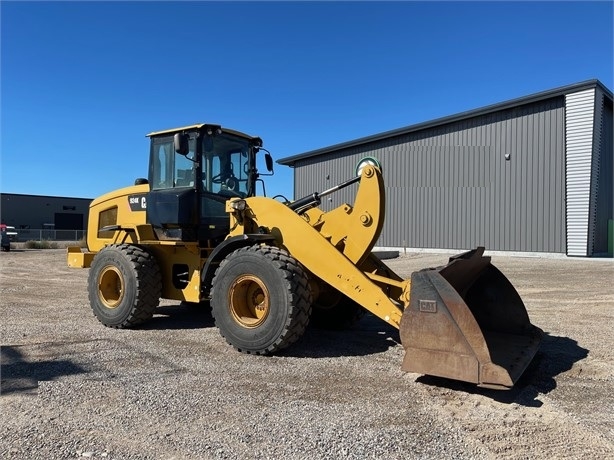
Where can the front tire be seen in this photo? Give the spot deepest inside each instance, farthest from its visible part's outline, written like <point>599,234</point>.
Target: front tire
<point>124,286</point>
<point>260,299</point>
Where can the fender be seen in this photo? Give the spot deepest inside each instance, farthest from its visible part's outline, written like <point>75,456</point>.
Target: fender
<point>222,250</point>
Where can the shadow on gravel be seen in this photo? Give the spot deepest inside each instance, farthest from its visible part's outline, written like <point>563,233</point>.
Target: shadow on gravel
<point>369,336</point>
<point>555,356</point>
<point>17,375</point>
<point>181,316</point>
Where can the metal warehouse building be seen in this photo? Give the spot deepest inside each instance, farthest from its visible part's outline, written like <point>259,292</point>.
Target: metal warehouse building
<point>534,174</point>
<point>38,216</point>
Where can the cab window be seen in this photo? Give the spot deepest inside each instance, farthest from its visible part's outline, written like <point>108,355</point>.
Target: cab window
<point>170,169</point>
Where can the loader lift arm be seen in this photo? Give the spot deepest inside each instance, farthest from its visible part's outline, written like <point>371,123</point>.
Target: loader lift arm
<point>463,321</point>
<point>343,237</point>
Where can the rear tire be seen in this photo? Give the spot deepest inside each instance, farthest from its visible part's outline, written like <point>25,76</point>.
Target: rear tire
<point>260,299</point>
<point>124,286</point>
<point>335,311</point>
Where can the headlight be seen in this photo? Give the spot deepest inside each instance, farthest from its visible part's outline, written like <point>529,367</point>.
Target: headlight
<point>238,205</point>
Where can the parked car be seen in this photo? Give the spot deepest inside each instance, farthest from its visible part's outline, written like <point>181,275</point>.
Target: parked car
<point>5,239</point>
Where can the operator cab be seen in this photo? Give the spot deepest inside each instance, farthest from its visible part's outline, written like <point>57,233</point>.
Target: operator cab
<point>193,171</point>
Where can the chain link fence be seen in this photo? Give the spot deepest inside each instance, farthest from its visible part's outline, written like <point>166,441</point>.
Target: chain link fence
<point>32,234</point>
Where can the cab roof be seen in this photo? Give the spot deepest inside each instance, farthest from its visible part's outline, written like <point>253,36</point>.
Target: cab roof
<point>200,126</point>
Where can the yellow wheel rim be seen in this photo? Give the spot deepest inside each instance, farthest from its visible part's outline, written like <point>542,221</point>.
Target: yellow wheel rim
<point>249,301</point>
<point>110,286</point>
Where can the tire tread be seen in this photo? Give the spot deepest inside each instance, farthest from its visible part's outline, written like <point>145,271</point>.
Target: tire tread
<point>297,286</point>
<point>148,284</point>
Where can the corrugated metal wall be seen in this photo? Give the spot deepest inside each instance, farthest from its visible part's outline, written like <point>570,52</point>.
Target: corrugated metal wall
<point>580,114</point>
<point>603,186</point>
<point>451,187</point>
<point>32,211</point>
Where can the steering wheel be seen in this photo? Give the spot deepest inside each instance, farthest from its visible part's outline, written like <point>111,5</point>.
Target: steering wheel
<point>232,183</point>
<point>229,180</point>
<point>231,188</point>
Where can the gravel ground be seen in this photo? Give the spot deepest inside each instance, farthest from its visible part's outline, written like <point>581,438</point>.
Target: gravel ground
<point>175,390</point>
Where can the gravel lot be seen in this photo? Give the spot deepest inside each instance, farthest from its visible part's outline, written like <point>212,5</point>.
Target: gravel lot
<point>175,389</point>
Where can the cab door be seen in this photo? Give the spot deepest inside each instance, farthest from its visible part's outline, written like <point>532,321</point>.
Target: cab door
<point>172,203</point>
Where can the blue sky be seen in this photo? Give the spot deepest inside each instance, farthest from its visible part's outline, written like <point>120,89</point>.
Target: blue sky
<point>82,83</point>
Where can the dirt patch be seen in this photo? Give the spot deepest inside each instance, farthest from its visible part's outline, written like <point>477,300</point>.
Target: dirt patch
<point>175,389</point>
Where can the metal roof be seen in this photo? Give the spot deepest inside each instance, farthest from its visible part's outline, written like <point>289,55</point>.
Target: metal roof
<point>201,126</point>
<point>561,91</point>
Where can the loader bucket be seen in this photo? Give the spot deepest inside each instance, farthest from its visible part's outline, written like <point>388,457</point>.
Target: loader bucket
<point>465,321</point>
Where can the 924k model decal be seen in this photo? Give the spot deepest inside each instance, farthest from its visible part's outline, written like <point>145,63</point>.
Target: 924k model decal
<point>138,202</point>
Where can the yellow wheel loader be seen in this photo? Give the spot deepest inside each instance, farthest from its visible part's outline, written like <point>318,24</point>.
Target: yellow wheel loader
<point>195,231</point>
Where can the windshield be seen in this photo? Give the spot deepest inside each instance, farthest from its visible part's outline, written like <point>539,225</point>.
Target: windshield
<point>225,165</point>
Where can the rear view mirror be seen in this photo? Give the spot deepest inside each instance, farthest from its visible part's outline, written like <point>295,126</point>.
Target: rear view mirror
<point>268,159</point>
<point>181,143</point>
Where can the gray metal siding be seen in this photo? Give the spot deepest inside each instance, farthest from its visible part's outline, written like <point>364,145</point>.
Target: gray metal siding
<point>450,186</point>
<point>603,175</point>
<point>33,211</point>
<point>580,113</point>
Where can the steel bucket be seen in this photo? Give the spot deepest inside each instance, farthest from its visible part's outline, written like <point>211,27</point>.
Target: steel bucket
<point>465,321</point>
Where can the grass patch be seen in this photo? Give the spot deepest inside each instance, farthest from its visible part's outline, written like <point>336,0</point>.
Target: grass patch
<point>44,244</point>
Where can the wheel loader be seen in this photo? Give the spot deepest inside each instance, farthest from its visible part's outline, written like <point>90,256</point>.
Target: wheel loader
<point>196,231</point>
